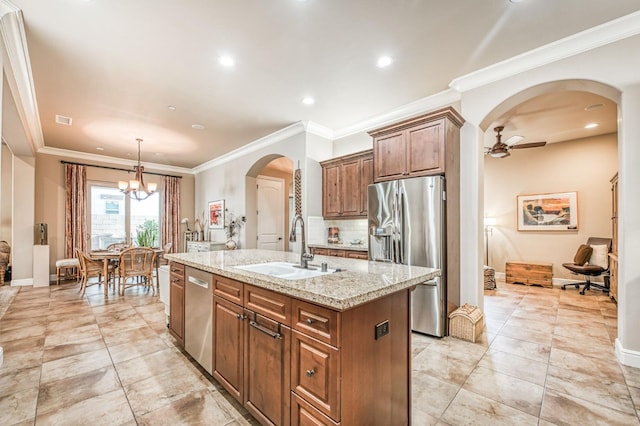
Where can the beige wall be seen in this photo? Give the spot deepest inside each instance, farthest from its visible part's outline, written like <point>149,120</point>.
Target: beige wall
<point>50,195</point>
<point>584,165</point>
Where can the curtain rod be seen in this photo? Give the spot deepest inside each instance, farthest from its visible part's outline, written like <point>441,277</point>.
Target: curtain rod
<point>117,168</point>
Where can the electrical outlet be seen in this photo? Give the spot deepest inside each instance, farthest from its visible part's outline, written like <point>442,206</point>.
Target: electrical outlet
<point>382,329</point>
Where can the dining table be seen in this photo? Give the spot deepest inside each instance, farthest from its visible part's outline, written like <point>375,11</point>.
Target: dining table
<point>112,255</point>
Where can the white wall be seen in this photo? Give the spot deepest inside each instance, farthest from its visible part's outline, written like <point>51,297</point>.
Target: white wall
<point>23,220</point>
<point>612,65</point>
<point>585,166</point>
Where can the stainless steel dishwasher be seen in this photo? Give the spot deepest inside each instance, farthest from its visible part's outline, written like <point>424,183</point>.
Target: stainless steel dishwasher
<point>198,316</point>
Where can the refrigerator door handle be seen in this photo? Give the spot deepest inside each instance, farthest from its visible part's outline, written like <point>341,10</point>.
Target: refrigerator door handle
<point>400,226</point>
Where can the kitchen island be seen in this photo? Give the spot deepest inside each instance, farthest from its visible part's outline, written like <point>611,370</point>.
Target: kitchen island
<point>331,349</point>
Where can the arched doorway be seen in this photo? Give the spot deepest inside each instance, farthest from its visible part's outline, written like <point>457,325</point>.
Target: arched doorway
<point>269,184</point>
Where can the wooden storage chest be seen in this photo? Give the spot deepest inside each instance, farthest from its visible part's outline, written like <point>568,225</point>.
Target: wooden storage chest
<point>529,273</point>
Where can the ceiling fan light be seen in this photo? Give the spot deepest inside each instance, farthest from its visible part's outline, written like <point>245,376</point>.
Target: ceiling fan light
<point>499,153</point>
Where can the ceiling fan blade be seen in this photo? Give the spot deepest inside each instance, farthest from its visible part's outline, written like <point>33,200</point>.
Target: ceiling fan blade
<point>512,140</point>
<point>528,145</point>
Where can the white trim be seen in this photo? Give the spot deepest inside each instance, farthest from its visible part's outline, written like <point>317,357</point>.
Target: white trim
<point>627,356</point>
<point>263,142</point>
<point>22,283</point>
<point>609,32</point>
<point>18,70</point>
<point>319,130</point>
<point>411,109</point>
<point>112,160</point>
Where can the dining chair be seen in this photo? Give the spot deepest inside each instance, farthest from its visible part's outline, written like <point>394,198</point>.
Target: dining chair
<point>135,267</point>
<point>118,246</point>
<point>91,268</point>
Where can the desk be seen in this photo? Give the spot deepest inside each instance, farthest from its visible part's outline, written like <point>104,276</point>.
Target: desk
<point>109,255</point>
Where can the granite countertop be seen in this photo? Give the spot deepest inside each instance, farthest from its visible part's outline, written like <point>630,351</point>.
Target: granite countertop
<point>341,246</point>
<point>360,281</point>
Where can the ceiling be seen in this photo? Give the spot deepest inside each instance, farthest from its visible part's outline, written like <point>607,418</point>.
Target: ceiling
<point>115,66</point>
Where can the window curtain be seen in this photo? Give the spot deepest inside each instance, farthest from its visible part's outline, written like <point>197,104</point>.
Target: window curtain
<point>75,209</point>
<point>171,212</point>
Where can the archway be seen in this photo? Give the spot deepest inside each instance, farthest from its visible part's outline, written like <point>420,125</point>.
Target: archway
<point>274,167</point>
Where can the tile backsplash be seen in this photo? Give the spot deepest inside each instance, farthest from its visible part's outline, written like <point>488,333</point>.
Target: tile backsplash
<point>350,230</point>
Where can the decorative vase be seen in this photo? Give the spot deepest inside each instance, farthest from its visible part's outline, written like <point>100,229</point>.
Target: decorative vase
<point>231,244</point>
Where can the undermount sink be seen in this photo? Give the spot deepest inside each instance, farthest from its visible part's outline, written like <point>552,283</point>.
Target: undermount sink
<point>284,270</point>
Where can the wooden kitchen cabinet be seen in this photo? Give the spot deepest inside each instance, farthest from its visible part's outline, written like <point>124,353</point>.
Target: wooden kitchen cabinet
<point>228,344</point>
<point>267,369</point>
<point>176,301</point>
<point>420,146</point>
<point>351,254</point>
<point>344,185</point>
<point>252,348</point>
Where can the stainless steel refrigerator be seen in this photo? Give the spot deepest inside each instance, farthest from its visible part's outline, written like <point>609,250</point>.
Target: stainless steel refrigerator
<point>407,226</point>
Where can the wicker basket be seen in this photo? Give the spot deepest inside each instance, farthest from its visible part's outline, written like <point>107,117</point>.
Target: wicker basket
<point>466,323</point>
<point>489,278</point>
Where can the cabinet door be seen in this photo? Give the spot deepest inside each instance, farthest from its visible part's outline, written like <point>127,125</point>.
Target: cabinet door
<point>425,149</point>
<point>331,200</point>
<point>228,342</point>
<point>267,369</point>
<point>315,373</point>
<point>176,309</point>
<point>366,179</point>
<point>350,180</point>
<point>390,156</point>
<point>305,414</point>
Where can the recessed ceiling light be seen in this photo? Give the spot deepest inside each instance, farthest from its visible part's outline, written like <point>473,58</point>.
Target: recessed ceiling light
<point>99,148</point>
<point>592,107</point>
<point>171,107</point>
<point>308,100</point>
<point>591,126</point>
<point>226,61</point>
<point>384,61</point>
<point>197,126</point>
<point>516,1</point>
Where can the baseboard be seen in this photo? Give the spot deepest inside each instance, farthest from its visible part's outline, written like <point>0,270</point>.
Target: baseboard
<point>627,356</point>
<point>557,282</point>
<point>22,282</point>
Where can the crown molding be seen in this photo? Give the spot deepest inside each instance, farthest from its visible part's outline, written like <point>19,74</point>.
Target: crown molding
<point>609,32</point>
<point>319,130</point>
<point>18,70</point>
<point>77,155</point>
<point>420,106</point>
<point>277,136</point>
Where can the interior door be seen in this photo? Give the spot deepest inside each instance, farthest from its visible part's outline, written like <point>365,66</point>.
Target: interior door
<point>270,223</point>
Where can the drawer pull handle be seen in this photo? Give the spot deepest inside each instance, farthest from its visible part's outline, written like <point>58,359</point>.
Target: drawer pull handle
<point>265,330</point>
<point>311,372</point>
<point>241,317</point>
<point>310,321</point>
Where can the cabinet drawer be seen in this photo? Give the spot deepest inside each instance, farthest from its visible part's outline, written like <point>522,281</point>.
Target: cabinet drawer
<point>316,321</point>
<point>357,255</point>
<point>272,305</point>
<point>304,414</point>
<point>315,373</point>
<point>337,253</point>
<point>320,251</point>
<point>177,269</point>
<point>229,289</point>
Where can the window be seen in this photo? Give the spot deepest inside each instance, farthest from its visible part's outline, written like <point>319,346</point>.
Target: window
<point>114,217</point>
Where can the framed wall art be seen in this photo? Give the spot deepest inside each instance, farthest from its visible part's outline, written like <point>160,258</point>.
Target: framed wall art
<point>216,214</point>
<point>547,212</point>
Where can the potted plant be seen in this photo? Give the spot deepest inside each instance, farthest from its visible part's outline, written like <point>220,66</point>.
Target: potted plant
<point>231,228</point>
<point>147,234</point>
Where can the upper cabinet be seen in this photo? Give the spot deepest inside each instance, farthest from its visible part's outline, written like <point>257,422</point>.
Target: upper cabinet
<point>419,146</point>
<point>344,185</point>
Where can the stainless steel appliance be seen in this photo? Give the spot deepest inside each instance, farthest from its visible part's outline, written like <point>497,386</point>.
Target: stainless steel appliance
<point>407,226</point>
<point>198,315</point>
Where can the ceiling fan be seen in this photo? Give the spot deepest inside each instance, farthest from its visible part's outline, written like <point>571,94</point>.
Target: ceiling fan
<point>501,149</point>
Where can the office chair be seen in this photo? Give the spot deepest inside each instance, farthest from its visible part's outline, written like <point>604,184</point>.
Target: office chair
<point>591,262</point>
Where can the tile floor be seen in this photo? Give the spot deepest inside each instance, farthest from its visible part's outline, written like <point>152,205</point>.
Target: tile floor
<point>544,358</point>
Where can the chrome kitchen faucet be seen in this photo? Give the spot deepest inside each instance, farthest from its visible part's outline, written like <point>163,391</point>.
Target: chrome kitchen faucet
<point>304,256</point>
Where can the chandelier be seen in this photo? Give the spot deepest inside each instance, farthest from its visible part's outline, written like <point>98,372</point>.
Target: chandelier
<point>136,188</point>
